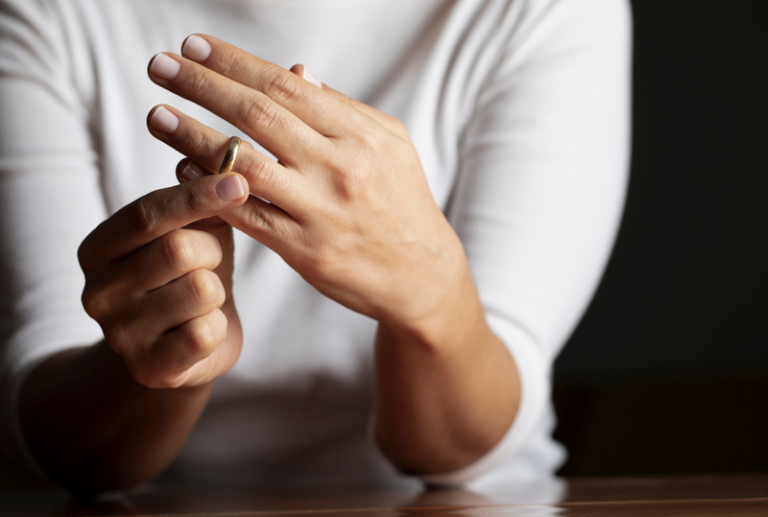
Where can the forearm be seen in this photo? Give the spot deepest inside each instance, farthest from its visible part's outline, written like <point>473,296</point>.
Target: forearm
<point>93,428</point>
<point>447,395</point>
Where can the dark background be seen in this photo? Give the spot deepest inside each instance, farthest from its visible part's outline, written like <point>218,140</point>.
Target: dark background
<point>668,370</point>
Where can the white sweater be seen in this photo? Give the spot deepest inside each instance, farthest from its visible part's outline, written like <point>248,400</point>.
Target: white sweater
<point>519,110</point>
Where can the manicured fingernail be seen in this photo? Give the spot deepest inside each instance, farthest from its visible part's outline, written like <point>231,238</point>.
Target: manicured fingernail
<point>230,188</point>
<point>196,49</point>
<point>312,78</point>
<point>164,67</point>
<point>192,171</point>
<point>164,120</point>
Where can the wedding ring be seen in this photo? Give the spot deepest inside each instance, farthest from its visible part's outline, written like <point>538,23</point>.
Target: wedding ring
<point>230,155</point>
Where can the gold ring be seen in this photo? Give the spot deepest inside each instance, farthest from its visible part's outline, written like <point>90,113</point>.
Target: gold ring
<point>230,155</point>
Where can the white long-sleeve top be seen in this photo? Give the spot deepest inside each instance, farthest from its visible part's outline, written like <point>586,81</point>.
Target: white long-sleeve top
<point>519,110</point>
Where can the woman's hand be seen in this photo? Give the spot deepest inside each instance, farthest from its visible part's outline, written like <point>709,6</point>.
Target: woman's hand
<point>350,208</point>
<point>159,282</point>
<point>158,279</point>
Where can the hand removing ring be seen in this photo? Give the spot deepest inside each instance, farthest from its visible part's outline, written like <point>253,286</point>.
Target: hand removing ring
<point>230,155</point>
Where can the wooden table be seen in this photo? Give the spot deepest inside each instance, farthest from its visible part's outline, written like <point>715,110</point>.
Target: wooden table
<point>701,496</point>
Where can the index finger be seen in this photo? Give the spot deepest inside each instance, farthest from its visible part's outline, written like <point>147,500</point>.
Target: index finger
<point>322,112</point>
<point>160,212</point>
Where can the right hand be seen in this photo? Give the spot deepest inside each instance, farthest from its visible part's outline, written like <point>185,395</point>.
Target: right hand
<point>158,279</point>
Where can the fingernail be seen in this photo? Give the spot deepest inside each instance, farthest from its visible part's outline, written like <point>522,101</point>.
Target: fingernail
<point>192,171</point>
<point>164,67</point>
<point>230,188</point>
<point>312,78</point>
<point>164,120</point>
<point>196,49</point>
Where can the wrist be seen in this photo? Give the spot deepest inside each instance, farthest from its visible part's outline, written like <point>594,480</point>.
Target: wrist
<point>454,321</point>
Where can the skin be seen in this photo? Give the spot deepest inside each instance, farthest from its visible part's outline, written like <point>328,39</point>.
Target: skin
<point>350,211</point>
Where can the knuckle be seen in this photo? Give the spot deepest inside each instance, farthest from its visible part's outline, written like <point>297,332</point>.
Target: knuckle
<point>119,340</point>
<point>259,112</point>
<point>172,382</point>
<point>179,250</point>
<point>196,202</point>
<point>352,183</point>
<point>201,338</point>
<point>260,172</point>
<point>228,60</point>
<point>156,382</point>
<point>96,305</point>
<point>205,288</point>
<point>196,139</point>
<point>222,325</point>
<point>140,375</point>
<point>197,82</point>
<point>282,86</point>
<point>368,138</point>
<point>149,374</point>
<point>144,218</point>
<point>260,219</point>
<point>165,383</point>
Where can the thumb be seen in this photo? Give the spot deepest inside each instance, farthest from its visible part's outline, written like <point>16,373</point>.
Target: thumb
<point>164,210</point>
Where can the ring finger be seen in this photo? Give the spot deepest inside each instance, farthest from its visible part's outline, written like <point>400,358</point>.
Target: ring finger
<point>266,178</point>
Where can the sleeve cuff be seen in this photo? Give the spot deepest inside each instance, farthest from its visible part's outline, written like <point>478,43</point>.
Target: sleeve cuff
<point>533,402</point>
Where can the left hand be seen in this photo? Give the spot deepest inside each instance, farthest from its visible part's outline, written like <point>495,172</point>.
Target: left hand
<point>350,208</point>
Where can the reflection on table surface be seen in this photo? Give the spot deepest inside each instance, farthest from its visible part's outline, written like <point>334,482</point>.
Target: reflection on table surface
<point>701,496</point>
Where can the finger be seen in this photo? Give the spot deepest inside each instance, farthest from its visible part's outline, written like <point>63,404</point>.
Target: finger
<point>277,129</point>
<point>264,221</point>
<point>205,146</point>
<point>159,212</point>
<point>390,123</point>
<point>167,362</point>
<point>165,308</point>
<point>309,103</point>
<point>167,258</point>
